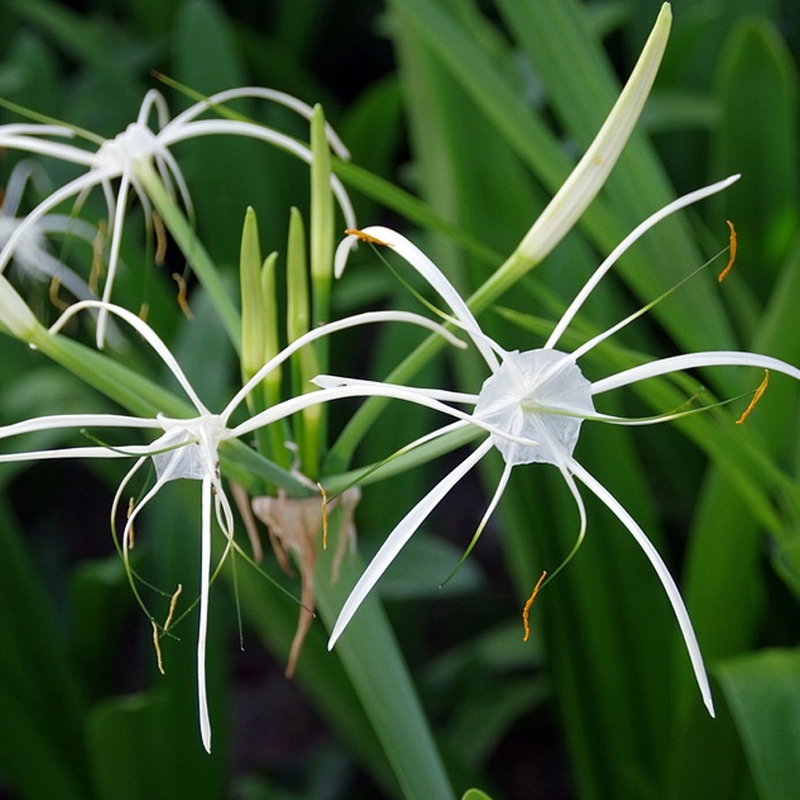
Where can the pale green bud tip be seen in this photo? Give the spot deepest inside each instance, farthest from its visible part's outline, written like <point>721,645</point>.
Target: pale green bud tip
<point>15,313</point>
<point>591,172</point>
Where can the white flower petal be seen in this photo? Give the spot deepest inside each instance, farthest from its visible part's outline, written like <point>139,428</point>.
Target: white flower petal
<point>398,538</point>
<point>673,593</point>
<point>202,631</point>
<point>366,318</point>
<point>146,332</point>
<point>436,278</point>
<point>613,257</point>
<point>709,358</point>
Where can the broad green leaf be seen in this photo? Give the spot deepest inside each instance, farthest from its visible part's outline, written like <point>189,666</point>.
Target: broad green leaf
<point>43,709</point>
<point>756,72</point>
<point>763,694</point>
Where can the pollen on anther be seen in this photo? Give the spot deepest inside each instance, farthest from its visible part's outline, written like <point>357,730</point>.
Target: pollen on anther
<point>157,646</point>
<point>161,240</point>
<point>732,250</point>
<point>756,397</point>
<point>324,516</point>
<point>182,301</point>
<point>365,237</point>
<point>526,611</point>
<point>55,300</point>
<point>98,270</point>
<point>173,601</point>
<point>131,531</point>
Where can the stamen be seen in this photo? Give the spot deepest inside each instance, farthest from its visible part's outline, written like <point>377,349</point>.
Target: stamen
<point>526,611</point>
<point>365,237</point>
<point>55,285</point>
<point>98,270</point>
<point>144,312</point>
<point>131,531</point>
<point>732,247</point>
<point>161,240</point>
<point>324,516</point>
<point>157,646</point>
<point>172,603</point>
<point>182,302</point>
<point>756,397</point>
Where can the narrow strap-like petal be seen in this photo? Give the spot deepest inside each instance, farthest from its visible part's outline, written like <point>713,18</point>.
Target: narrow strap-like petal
<point>399,536</point>
<point>205,572</point>
<point>616,253</point>
<point>673,593</point>
<point>707,358</point>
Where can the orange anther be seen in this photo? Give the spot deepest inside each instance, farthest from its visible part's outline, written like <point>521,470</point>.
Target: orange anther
<point>365,237</point>
<point>732,249</point>
<point>526,611</point>
<point>182,301</point>
<point>324,516</point>
<point>756,397</point>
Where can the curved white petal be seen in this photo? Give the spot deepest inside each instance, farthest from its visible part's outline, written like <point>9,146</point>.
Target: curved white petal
<point>146,332</point>
<point>446,396</point>
<point>205,571</point>
<point>51,421</point>
<point>436,278</point>
<point>208,127</point>
<point>398,538</point>
<point>369,317</point>
<point>613,257</point>
<point>673,593</point>
<point>260,92</point>
<point>20,140</point>
<point>708,358</point>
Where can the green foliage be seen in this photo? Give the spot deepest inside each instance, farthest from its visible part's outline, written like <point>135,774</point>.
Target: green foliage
<point>463,119</point>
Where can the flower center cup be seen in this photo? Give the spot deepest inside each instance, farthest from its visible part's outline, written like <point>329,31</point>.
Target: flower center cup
<point>539,395</point>
<point>190,447</point>
<point>136,144</point>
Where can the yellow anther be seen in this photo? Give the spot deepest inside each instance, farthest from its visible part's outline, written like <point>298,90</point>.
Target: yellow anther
<point>131,531</point>
<point>55,285</point>
<point>172,603</point>
<point>157,646</point>
<point>756,397</point>
<point>526,611</point>
<point>732,249</point>
<point>98,270</point>
<point>365,237</point>
<point>182,302</point>
<point>161,240</point>
<point>324,516</point>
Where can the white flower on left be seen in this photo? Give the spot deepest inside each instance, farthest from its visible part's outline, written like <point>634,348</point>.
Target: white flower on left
<point>186,448</point>
<point>131,156</point>
<point>32,256</point>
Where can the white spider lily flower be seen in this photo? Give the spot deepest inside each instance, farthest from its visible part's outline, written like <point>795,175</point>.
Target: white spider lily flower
<point>32,256</point>
<point>186,448</point>
<point>131,156</point>
<point>532,405</point>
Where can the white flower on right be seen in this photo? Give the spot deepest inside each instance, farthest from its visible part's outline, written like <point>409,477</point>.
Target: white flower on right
<point>532,406</point>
